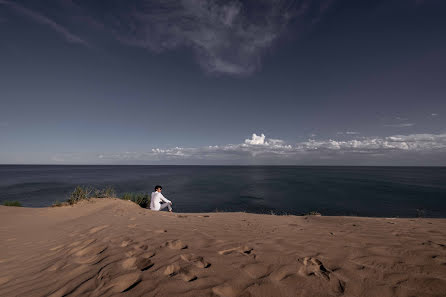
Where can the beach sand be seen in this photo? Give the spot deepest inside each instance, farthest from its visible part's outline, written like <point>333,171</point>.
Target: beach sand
<point>111,247</point>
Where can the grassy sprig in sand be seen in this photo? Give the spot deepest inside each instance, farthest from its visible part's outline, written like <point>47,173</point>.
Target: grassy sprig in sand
<point>81,193</point>
<point>12,203</point>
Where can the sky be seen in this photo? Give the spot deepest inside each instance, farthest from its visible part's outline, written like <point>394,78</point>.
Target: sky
<point>206,82</point>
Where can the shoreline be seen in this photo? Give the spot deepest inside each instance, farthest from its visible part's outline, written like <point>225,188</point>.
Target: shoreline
<point>107,247</point>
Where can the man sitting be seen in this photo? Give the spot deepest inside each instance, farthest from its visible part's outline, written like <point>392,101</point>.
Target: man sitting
<point>157,197</point>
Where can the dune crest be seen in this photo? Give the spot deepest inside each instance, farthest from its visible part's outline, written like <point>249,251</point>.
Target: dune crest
<point>108,247</point>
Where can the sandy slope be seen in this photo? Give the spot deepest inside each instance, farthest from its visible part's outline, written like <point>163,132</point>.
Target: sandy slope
<point>111,247</point>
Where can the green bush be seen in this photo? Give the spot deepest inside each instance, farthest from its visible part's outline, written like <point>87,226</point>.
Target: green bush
<point>107,192</point>
<point>59,204</point>
<point>142,199</point>
<point>56,204</point>
<point>80,193</point>
<point>313,213</point>
<point>12,203</point>
<point>87,192</point>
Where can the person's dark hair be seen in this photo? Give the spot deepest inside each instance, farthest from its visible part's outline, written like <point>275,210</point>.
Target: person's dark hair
<point>158,187</point>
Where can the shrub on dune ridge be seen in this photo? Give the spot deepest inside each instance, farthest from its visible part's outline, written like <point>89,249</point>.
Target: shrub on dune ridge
<point>80,193</point>
<point>59,204</point>
<point>12,203</point>
<point>313,213</point>
<point>107,192</point>
<point>141,199</point>
<point>87,192</point>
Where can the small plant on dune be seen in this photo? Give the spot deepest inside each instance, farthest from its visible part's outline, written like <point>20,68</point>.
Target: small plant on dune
<point>421,213</point>
<point>107,192</point>
<point>80,193</point>
<point>12,203</point>
<point>56,204</point>
<point>141,199</point>
<point>59,204</point>
<point>313,213</point>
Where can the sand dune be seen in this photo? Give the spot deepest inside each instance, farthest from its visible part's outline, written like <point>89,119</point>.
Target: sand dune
<point>110,247</point>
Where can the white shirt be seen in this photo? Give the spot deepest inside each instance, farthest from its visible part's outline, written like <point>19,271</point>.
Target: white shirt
<point>155,201</point>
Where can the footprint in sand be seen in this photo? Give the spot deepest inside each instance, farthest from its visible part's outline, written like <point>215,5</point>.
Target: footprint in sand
<point>185,274</point>
<point>439,259</point>
<point>176,244</point>
<point>141,247</point>
<point>172,269</point>
<point>198,261</point>
<point>126,242</point>
<point>148,254</point>
<point>137,263</point>
<point>312,266</point>
<point>97,229</point>
<point>245,250</point>
<point>132,226</point>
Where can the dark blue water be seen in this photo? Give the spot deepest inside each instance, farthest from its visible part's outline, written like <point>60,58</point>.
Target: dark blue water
<point>362,191</point>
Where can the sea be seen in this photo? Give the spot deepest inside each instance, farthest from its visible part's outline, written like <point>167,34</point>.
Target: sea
<point>280,190</point>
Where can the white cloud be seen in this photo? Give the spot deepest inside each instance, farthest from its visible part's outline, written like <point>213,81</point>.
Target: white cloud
<point>412,149</point>
<point>260,148</point>
<point>256,140</point>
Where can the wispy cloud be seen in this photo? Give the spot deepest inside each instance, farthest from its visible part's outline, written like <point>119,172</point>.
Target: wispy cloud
<point>42,19</point>
<point>400,125</point>
<point>348,133</point>
<point>227,37</point>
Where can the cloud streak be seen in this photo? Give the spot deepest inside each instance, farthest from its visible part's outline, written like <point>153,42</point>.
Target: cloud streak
<point>401,125</point>
<point>226,37</point>
<point>41,19</point>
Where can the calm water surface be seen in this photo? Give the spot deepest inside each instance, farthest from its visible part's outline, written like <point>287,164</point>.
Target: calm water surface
<point>363,191</point>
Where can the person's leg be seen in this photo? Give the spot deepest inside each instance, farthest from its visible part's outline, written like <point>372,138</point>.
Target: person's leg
<point>164,205</point>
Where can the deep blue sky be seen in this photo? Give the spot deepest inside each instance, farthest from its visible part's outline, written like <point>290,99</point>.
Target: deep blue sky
<point>330,81</point>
